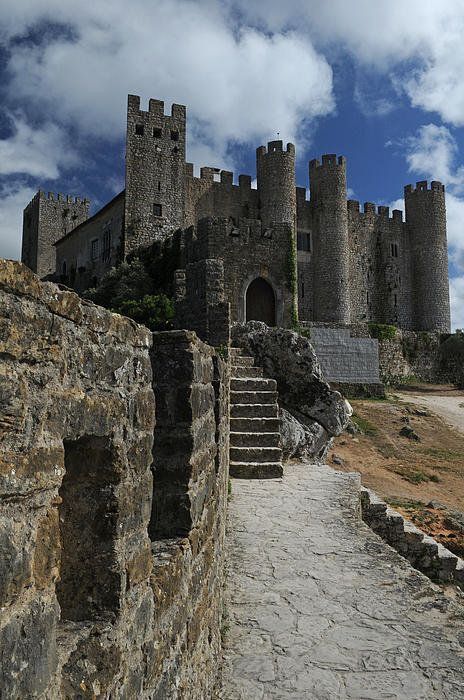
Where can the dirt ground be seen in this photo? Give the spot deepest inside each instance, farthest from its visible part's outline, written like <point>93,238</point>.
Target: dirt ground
<point>410,450</point>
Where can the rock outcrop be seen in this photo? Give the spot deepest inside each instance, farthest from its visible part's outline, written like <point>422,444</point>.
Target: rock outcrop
<point>313,413</point>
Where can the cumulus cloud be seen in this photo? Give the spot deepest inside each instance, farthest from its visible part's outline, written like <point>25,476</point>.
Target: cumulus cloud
<point>243,85</point>
<point>418,44</point>
<point>39,152</point>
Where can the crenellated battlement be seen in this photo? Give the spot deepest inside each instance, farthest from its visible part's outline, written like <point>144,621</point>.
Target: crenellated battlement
<point>274,147</point>
<point>380,211</point>
<point>58,197</point>
<point>219,177</point>
<point>329,160</point>
<point>156,108</point>
<point>422,186</point>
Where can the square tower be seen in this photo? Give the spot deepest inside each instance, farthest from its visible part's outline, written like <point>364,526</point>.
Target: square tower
<point>46,219</point>
<point>155,173</point>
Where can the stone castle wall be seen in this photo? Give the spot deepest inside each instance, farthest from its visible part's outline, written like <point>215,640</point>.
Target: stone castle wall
<point>82,259</point>
<point>104,592</point>
<point>411,355</point>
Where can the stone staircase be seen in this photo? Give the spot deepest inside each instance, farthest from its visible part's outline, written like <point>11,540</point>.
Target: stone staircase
<point>255,451</point>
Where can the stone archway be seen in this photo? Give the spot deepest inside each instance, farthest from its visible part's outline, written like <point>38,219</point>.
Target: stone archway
<point>260,302</point>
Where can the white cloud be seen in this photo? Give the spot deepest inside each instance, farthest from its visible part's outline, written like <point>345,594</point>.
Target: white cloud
<point>14,198</point>
<point>241,85</point>
<point>417,44</point>
<point>39,152</point>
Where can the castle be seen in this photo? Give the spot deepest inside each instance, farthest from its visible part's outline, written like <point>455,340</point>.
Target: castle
<point>321,260</point>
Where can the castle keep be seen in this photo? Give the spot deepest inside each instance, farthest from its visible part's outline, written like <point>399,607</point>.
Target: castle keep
<point>322,260</point>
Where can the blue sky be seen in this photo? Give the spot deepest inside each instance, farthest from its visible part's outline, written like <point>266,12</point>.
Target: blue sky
<point>379,82</point>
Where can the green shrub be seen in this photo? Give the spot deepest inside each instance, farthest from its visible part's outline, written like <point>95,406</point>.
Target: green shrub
<point>382,331</point>
<point>155,311</point>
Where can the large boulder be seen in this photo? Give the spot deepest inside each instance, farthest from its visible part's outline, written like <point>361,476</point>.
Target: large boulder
<point>289,358</point>
<point>302,440</point>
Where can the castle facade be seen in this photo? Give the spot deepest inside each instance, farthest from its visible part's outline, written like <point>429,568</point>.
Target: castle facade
<point>321,260</point>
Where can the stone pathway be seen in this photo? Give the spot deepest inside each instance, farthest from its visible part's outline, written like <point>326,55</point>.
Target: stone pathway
<point>319,607</point>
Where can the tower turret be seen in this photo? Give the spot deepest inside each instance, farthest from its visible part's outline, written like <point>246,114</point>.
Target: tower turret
<point>46,219</point>
<point>276,183</point>
<point>155,172</point>
<point>330,239</point>
<point>426,224</point>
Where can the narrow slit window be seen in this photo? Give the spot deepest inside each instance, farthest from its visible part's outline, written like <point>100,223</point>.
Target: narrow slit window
<point>157,210</point>
<point>174,135</point>
<point>157,132</point>
<point>139,129</point>
<point>94,249</point>
<point>302,290</point>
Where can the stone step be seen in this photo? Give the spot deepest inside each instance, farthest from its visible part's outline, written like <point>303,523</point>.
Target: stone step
<point>255,439</point>
<point>246,372</point>
<point>253,384</point>
<point>256,470</point>
<point>238,361</point>
<point>255,454</point>
<point>235,352</point>
<point>254,410</point>
<point>254,425</point>
<point>262,397</point>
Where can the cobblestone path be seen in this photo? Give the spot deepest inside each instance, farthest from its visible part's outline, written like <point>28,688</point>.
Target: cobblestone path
<point>319,607</point>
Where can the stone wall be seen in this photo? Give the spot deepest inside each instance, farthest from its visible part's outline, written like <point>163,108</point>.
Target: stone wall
<point>200,303</point>
<point>421,550</point>
<point>409,355</point>
<point>82,259</point>
<point>100,597</point>
<point>248,251</point>
<point>343,359</point>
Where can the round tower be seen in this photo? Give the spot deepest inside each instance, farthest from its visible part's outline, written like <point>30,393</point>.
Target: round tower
<point>330,239</point>
<point>276,183</point>
<point>426,224</point>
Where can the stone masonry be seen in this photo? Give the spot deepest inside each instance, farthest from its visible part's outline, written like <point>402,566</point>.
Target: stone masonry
<point>111,566</point>
<point>333,263</point>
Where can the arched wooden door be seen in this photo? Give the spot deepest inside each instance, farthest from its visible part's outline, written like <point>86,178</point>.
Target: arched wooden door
<point>260,302</point>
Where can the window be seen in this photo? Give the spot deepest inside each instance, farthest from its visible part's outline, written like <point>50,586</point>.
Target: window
<point>174,135</point>
<point>157,210</point>
<point>367,297</point>
<point>139,129</point>
<point>394,250</point>
<point>396,300</point>
<point>157,132</point>
<point>94,249</point>
<point>159,186</point>
<point>106,252</point>
<point>217,177</point>
<point>304,241</point>
<point>175,150</point>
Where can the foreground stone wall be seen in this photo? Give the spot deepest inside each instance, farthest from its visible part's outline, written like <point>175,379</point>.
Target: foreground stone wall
<point>97,602</point>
